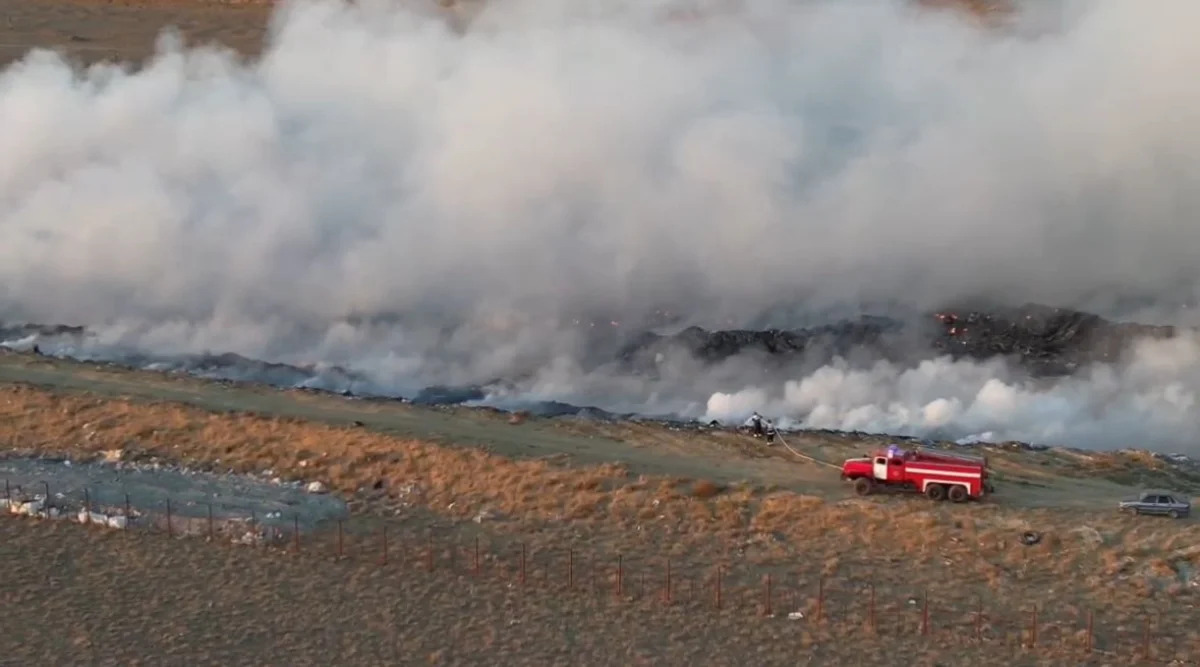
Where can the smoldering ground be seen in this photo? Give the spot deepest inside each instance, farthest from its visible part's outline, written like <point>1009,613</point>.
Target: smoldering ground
<point>421,202</point>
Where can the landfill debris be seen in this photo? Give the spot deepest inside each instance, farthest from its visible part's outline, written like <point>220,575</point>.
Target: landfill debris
<point>118,521</point>
<point>1046,341</point>
<point>315,487</point>
<point>1030,538</point>
<point>33,507</point>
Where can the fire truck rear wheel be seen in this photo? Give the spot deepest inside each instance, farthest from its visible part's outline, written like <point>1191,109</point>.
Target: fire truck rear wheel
<point>864,486</point>
<point>957,494</point>
<point>935,492</point>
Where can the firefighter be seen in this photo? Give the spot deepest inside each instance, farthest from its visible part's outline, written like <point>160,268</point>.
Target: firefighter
<point>755,424</point>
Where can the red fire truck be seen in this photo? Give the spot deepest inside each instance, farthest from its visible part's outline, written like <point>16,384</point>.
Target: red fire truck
<point>938,475</point>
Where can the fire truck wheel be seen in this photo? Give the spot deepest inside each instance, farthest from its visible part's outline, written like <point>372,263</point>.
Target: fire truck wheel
<point>864,486</point>
<point>958,494</point>
<point>935,492</point>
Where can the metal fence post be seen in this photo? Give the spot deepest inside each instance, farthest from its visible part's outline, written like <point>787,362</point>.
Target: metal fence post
<point>925,614</point>
<point>871,610</point>
<point>620,591</point>
<point>718,588</point>
<point>668,591</point>
<point>820,598</point>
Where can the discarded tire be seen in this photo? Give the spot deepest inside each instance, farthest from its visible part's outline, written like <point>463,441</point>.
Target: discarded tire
<point>1030,538</point>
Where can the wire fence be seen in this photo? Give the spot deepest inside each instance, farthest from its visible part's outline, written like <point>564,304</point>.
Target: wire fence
<point>843,603</point>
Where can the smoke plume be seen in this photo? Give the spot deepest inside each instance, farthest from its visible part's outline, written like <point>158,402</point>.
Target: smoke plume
<point>424,202</point>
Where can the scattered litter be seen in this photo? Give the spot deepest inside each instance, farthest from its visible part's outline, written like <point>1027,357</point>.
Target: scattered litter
<point>796,615</point>
<point>315,487</point>
<point>33,507</point>
<point>103,492</point>
<point>118,521</point>
<point>1030,538</point>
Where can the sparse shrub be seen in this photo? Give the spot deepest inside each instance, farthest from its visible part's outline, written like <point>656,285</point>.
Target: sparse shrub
<point>705,489</point>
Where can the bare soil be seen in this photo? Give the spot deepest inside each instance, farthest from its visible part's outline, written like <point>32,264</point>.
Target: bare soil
<point>81,596</point>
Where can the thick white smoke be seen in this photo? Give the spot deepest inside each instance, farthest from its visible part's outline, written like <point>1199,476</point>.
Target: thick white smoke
<point>430,204</point>
<point>1150,401</point>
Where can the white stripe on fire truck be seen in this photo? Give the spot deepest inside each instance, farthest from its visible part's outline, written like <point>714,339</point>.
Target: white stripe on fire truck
<point>947,473</point>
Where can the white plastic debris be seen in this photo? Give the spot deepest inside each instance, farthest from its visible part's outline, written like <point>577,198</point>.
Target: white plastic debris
<point>315,487</point>
<point>117,521</point>
<point>26,507</point>
<point>796,616</point>
<point>250,538</point>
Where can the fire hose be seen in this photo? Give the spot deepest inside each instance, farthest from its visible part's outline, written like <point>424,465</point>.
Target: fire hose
<point>804,456</point>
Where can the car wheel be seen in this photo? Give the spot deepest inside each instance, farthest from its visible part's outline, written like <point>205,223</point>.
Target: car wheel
<point>1174,514</point>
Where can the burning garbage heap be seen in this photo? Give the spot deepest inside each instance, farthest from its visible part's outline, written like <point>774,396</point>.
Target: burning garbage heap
<point>1046,340</point>
<point>1043,339</point>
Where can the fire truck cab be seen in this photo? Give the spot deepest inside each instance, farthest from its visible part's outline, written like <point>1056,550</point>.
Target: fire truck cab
<point>939,476</point>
